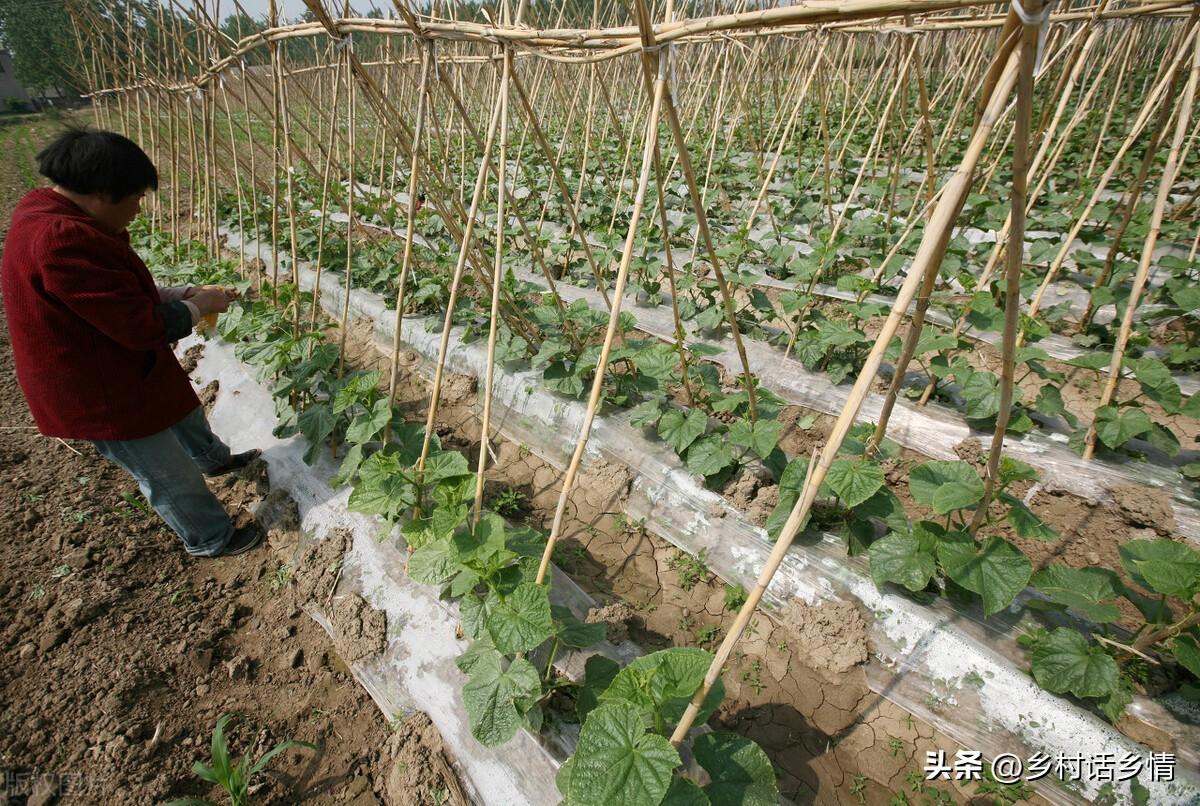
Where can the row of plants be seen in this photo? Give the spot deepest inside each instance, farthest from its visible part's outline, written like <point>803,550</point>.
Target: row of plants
<point>1081,644</point>
<point>488,567</point>
<point>708,426</point>
<point>832,337</point>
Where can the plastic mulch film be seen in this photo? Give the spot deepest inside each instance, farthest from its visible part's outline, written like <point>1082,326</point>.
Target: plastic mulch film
<point>963,675</point>
<point>417,671</point>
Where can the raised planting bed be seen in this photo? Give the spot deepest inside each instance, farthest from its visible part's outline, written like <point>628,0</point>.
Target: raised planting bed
<point>932,649</point>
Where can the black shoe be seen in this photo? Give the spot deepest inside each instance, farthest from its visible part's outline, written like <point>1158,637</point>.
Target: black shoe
<point>244,539</point>
<point>236,462</point>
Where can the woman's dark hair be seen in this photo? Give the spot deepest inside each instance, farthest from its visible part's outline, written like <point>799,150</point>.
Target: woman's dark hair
<point>88,161</point>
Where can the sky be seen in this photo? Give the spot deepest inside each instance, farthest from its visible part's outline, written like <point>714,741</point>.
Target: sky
<point>290,9</point>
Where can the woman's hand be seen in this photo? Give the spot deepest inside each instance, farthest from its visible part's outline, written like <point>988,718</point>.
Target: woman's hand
<point>212,299</point>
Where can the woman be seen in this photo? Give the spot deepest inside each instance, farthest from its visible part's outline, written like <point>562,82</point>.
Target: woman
<point>91,335</point>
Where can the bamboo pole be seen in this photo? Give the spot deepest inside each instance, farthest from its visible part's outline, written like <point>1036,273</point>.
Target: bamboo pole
<point>932,249</point>
<point>428,62</point>
<point>460,265</point>
<point>1133,195</point>
<point>1152,100</point>
<point>351,184</point>
<point>325,175</point>
<point>497,277</point>
<point>1139,281</point>
<point>275,135</point>
<point>651,140</point>
<point>1027,55</point>
<point>685,162</point>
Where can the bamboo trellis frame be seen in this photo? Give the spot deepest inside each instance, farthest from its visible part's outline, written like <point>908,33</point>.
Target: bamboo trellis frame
<point>468,70</point>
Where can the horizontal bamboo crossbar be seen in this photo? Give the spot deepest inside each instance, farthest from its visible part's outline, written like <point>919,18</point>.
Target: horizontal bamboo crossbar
<point>579,45</point>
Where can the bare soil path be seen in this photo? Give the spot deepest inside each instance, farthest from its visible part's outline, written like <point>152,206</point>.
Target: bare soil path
<point>119,652</point>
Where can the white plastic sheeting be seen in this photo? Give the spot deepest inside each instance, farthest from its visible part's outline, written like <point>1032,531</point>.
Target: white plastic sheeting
<point>960,673</point>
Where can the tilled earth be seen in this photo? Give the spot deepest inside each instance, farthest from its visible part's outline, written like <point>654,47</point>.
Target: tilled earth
<point>120,652</point>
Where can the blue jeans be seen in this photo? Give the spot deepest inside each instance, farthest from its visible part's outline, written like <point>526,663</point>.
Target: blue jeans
<point>169,467</point>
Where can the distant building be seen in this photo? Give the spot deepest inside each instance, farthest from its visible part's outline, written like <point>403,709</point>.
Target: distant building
<point>14,96</point>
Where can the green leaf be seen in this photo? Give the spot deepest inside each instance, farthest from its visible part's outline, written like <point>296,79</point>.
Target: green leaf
<point>1163,439</point>
<point>1173,579</point>
<point>1092,361</point>
<point>981,393</point>
<point>560,379</point>
<point>496,699</point>
<point>685,793</point>
<point>945,486</point>
<point>316,423</point>
<point>1114,427</point>
<point>704,350</point>
<point>837,334</point>
<point>792,478</point>
<point>521,621</point>
<point>387,494</point>
<point>475,611</point>
<point>445,465</point>
<point>353,458</point>
<point>480,652</point>
<point>617,762</point>
<point>741,772</point>
<point>1051,404</point>
<point>995,569</point>
<point>782,511</point>
<point>1064,662</point>
<point>680,430</point>
<point>658,361</point>
<point>1187,653</point>
<point>434,563</point>
<point>761,437</point>
<point>266,757</point>
<point>1113,706</point>
<point>1158,383</point>
<point>664,682</point>
<point>598,674</point>
<point>1025,523</point>
<point>1015,470</point>
<point>645,415</point>
<point>903,558</point>
<point>709,455</point>
<point>573,632</point>
<point>1151,563</point>
<point>955,495</point>
<point>1089,591</point>
<point>885,506</point>
<point>932,341</point>
<point>1192,407</point>
<point>854,480</point>
<point>366,426</point>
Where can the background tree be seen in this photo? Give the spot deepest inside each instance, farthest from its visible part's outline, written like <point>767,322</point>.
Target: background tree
<point>40,37</point>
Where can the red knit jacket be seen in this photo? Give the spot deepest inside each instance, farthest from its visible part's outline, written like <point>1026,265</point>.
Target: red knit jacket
<point>90,347</point>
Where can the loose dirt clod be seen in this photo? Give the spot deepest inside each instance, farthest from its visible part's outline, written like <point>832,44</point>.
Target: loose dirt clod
<point>615,617</point>
<point>208,395</point>
<point>420,772</point>
<point>741,489</point>
<point>191,358</point>
<point>1145,506</point>
<point>359,630</point>
<point>457,388</point>
<point>279,517</point>
<point>832,636</point>
<point>971,451</point>
<point>318,567</point>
